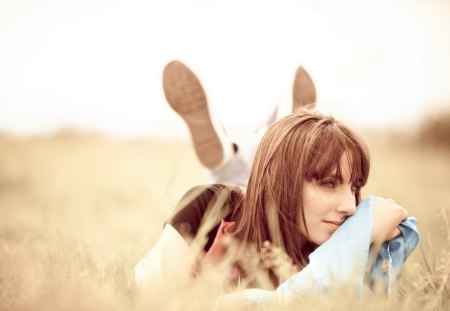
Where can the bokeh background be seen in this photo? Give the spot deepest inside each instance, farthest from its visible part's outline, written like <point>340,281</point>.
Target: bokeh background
<point>97,64</point>
<point>92,159</point>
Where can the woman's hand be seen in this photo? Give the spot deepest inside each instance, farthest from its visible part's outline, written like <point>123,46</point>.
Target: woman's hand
<point>387,215</point>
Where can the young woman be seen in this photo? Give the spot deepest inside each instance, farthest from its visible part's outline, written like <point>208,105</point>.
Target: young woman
<point>304,184</point>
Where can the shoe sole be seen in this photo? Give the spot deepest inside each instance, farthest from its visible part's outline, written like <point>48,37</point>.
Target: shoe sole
<point>304,91</point>
<point>185,95</point>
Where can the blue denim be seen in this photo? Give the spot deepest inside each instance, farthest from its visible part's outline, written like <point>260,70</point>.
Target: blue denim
<point>389,262</point>
<point>341,259</point>
<point>344,259</point>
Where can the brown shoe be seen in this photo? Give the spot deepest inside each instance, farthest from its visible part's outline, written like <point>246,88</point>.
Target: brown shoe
<point>304,91</point>
<point>186,96</point>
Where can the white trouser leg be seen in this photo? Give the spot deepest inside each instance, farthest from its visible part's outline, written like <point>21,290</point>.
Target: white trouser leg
<point>237,170</point>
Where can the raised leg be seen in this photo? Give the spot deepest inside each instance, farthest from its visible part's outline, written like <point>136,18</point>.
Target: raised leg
<point>186,96</point>
<point>303,90</point>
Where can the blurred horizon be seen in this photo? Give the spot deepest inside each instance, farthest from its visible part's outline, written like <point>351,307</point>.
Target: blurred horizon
<point>96,65</point>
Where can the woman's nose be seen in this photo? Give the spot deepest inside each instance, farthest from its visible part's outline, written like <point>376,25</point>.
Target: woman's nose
<point>347,202</point>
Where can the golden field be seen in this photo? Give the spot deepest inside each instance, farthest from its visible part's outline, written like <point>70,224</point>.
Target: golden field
<point>78,210</point>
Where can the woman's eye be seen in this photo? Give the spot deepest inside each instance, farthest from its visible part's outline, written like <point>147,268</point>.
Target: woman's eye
<point>328,184</point>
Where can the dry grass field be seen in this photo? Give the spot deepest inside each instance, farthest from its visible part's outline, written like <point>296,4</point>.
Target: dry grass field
<point>77,211</point>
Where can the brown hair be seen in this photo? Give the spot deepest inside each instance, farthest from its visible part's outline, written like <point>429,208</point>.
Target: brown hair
<point>300,147</point>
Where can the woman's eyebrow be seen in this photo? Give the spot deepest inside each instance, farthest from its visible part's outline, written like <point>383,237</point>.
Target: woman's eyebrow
<point>335,176</point>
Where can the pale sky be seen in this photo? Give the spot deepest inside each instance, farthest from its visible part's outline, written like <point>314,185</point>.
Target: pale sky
<point>97,64</point>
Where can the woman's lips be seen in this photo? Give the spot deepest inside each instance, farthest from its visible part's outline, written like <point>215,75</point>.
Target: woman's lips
<point>333,222</point>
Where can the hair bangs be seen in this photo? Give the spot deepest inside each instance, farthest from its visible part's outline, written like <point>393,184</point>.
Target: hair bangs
<point>358,160</point>
<point>326,153</point>
<point>323,157</point>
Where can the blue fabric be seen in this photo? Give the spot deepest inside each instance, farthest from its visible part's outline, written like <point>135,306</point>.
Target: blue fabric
<point>389,262</point>
<point>344,258</point>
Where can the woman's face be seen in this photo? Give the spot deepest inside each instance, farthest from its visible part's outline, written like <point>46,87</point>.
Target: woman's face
<point>327,203</point>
